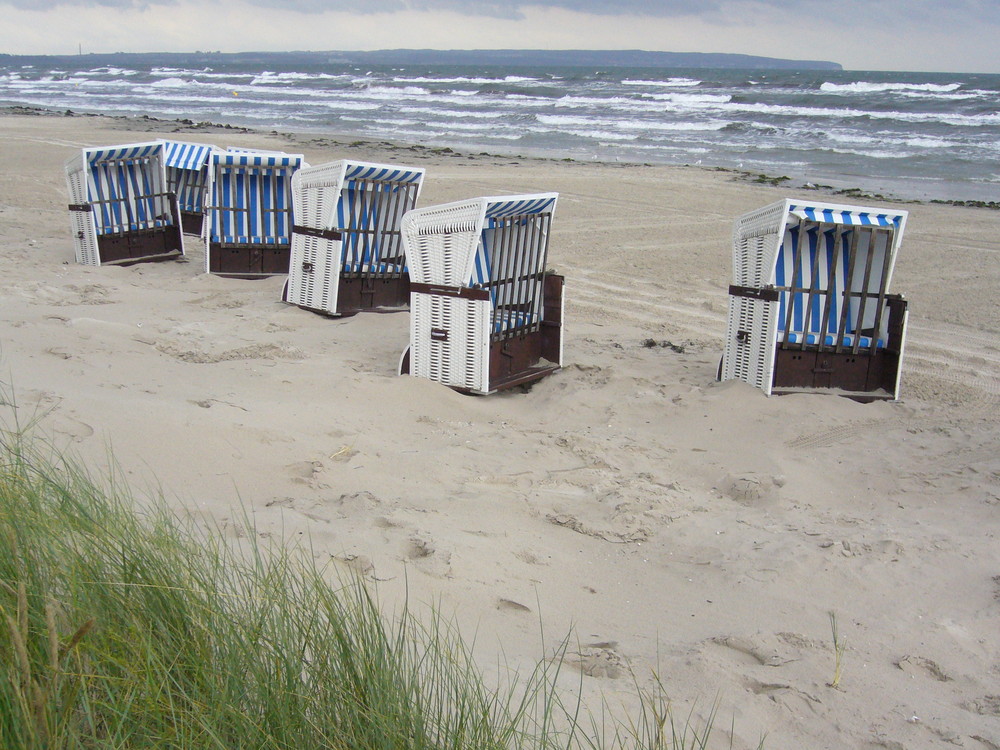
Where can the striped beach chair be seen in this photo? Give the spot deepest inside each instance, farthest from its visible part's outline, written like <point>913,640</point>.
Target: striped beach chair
<point>248,217</point>
<point>810,307</point>
<point>187,178</point>
<point>121,210</point>
<point>347,254</point>
<point>485,313</point>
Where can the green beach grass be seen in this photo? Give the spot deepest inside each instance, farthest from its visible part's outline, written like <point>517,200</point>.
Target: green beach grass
<point>122,628</point>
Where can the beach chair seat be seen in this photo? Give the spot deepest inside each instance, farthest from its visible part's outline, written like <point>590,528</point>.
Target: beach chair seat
<point>187,178</point>
<point>347,255</point>
<point>122,210</point>
<point>486,314</point>
<point>249,213</point>
<point>810,307</point>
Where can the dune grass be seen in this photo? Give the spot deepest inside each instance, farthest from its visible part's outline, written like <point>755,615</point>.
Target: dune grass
<point>121,629</point>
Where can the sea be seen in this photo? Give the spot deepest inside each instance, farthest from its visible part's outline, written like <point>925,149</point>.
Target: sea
<point>906,135</point>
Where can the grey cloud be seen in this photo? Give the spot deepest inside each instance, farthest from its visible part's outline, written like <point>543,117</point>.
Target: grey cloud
<point>888,11</point>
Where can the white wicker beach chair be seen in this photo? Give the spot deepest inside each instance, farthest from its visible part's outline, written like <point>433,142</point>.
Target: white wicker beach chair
<point>248,225</point>
<point>121,210</point>
<point>187,178</point>
<point>347,254</point>
<point>485,313</point>
<point>809,307</point>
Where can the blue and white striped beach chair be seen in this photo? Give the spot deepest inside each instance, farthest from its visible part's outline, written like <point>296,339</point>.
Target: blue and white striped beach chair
<point>121,209</point>
<point>248,231</point>
<point>485,313</point>
<point>187,178</point>
<point>347,255</point>
<point>809,306</point>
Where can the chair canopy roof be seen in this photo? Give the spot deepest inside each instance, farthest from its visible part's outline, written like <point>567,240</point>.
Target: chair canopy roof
<point>127,152</point>
<point>181,155</point>
<point>850,215</point>
<point>262,159</point>
<point>518,205</point>
<point>359,170</point>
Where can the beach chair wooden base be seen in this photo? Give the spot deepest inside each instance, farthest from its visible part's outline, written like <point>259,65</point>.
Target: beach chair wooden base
<point>248,261</point>
<point>144,245</point>
<point>359,294</point>
<point>192,222</point>
<point>864,375</point>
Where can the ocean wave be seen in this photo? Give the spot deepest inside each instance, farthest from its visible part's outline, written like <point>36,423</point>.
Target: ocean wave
<point>690,98</point>
<point>393,91</point>
<point>269,78</point>
<point>670,82</point>
<point>449,114</point>
<point>463,79</point>
<point>864,87</point>
<point>875,153</point>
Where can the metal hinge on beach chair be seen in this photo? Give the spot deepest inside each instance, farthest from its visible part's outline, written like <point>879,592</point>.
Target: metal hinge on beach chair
<point>122,210</point>
<point>809,307</point>
<point>485,313</point>
<point>347,254</point>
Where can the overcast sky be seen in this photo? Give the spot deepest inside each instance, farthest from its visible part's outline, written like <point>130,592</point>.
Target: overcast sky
<point>922,35</point>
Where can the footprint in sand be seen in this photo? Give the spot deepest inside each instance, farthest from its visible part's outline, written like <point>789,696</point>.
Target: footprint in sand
<point>988,705</point>
<point>764,651</point>
<point>919,665</point>
<point>73,428</point>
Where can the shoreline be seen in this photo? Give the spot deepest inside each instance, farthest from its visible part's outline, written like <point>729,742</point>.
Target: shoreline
<point>840,188</point>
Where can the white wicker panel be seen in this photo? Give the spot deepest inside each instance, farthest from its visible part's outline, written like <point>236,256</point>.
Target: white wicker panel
<point>440,241</point>
<point>460,360</point>
<point>81,222</point>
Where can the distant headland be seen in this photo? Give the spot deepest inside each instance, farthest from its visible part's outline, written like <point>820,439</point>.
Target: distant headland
<point>502,57</point>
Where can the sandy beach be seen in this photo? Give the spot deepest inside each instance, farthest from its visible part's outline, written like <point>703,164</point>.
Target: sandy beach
<point>668,524</point>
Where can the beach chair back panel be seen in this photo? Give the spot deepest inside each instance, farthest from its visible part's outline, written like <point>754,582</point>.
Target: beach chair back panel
<point>833,280</point>
<point>127,189</point>
<point>510,261</point>
<point>369,214</point>
<point>251,200</point>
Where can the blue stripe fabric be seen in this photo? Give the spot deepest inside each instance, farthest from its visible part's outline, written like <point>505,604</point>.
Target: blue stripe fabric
<point>252,196</point>
<point>93,156</point>
<point>190,156</point>
<point>501,209</point>
<point>859,218</point>
<point>801,276</point>
<point>371,172</point>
